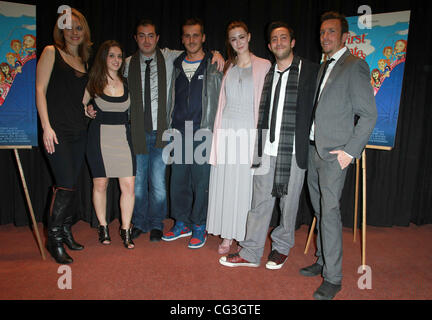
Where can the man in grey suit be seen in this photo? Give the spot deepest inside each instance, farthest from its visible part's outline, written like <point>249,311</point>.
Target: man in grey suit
<point>343,92</point>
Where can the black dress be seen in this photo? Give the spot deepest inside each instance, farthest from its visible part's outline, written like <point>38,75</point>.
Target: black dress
<point>64,96</point>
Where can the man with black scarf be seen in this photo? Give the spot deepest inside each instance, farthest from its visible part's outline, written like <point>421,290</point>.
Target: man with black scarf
<point>281,151</point>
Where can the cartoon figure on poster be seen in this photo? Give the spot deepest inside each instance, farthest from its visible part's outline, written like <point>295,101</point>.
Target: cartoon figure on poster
<point>14,62</point>
<point>18,117</point>
<point>384,47</point>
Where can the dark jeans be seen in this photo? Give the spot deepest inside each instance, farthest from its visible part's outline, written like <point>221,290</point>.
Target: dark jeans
<point>189,190</point>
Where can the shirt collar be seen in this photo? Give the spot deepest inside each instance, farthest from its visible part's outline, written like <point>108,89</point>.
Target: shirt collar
<point>277,69</point>
<point>144,58</point>
<point>339,54</point>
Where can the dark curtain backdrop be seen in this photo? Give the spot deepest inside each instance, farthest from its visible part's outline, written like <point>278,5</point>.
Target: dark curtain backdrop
<point>399,182</point>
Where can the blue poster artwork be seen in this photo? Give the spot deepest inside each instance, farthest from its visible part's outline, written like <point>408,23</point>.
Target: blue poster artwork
<point>384,48</point>
<point>18,115</point>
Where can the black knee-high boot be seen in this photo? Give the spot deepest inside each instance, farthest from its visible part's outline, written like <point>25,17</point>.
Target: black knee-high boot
<point>58,211</point>
<point>68,238</point>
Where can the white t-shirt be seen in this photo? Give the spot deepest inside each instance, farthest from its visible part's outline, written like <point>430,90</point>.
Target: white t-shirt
<point>190,67</point>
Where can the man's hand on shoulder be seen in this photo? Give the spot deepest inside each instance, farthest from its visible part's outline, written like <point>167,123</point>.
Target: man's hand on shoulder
<point>219,60</point>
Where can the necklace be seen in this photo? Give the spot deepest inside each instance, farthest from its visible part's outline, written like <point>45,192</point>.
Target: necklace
<point>113,86</point>
<point>242,73</point>
<point>244,62</point>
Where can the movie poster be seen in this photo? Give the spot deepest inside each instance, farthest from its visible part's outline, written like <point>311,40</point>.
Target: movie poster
<point>18,115</point>
<point>384,48</point>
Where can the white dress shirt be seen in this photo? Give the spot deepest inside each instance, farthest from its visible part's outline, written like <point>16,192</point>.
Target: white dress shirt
<point>330,67</point>
<point>336,57</point>
<point>270,148</point>
<point>169,56</point>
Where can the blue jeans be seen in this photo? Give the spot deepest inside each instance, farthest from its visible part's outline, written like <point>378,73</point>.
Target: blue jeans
<point>150,188</point>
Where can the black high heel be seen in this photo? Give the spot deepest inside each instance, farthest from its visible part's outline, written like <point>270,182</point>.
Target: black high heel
<point>126,237</point>
<point>103,232</point>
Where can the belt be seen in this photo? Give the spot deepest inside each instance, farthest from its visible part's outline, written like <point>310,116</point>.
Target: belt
<point>113,118</point>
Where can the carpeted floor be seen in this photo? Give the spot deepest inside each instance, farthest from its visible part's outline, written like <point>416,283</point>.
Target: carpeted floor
<point>400,260</point>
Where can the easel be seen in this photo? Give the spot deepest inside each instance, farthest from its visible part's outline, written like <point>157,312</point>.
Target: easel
<point>363,255</point>
<point>35,227</point>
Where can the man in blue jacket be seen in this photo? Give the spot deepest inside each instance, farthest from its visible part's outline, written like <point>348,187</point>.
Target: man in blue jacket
<point>193,105</point>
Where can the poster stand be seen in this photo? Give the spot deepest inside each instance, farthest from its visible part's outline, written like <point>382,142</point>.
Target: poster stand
<point>364,184</point>
<point>35,227</point>
<point>363,246</point>
<point>364,198</point>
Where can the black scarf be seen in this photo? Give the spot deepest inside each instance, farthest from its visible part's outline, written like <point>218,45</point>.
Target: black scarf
<point>288,125</point>
<point>137,110</point>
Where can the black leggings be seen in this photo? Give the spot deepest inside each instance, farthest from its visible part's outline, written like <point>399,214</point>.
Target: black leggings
<point>67,160</point>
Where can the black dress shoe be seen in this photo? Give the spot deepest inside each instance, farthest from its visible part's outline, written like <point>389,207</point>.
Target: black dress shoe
<point>155,235</point>
<point>327,291</point>
<point>135,233</point>
<point>312,271</point>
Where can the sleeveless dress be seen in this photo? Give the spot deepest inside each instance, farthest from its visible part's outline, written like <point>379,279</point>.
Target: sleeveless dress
<point>230,190</point>
<point>64,99</point>
<point>109,149</point>
<point>64,96</point>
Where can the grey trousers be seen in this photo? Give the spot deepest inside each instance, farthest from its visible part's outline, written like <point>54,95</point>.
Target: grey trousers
<point>262,208</point>
<point>325,182</point>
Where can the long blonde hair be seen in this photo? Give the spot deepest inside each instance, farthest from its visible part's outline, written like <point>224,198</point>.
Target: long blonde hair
<point>84,49</point>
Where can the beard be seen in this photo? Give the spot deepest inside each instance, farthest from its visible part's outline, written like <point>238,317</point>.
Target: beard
<point>282,54</point>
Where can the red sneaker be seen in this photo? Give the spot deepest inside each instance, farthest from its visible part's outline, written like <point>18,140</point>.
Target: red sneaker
<point>276,260</point>
<point>234,260</point>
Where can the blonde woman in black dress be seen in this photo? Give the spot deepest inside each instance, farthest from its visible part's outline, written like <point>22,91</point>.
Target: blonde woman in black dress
<point>109,151</point>
<point>61,78</point>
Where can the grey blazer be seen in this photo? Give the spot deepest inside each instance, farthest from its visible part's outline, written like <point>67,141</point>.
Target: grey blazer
<point>347,92</point>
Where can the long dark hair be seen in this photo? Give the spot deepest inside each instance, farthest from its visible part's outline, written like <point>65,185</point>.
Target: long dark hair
<point>231,54</point>
<point>98,76</point>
